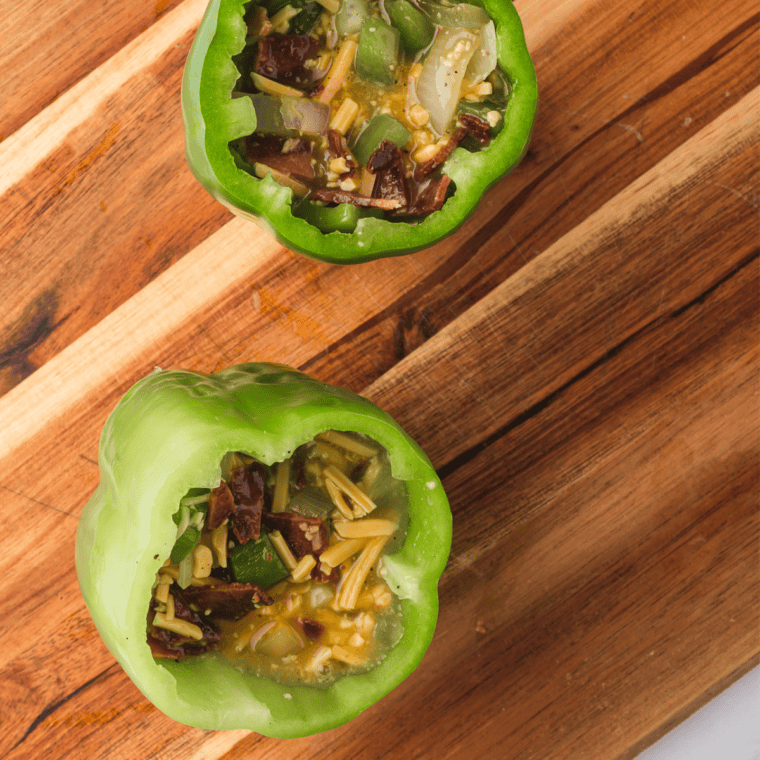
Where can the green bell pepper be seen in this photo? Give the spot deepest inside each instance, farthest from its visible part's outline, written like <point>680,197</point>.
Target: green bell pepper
<point>213,119</point>
<point>167,436</point>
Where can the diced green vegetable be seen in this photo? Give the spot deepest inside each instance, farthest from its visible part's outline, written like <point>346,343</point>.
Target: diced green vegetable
<point>258,562</point>
<point>341,218</point>
<point>350,16</point>
<point>185,544</point>
<point>311,504</point>
<point>377,56</point>
<point>416,29</point>
<point>381,127</point>
<point>189,519</point>
<point>280,642</point>
<point>485,110</point>
<point>304,22</point>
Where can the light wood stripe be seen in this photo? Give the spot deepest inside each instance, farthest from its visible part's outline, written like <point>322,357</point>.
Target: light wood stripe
<point>178,296</point>
<point>47,131</point>
<point>575,258</point>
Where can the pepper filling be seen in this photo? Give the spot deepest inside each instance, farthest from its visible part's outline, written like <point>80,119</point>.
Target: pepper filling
<point>361,102</point>
<point>279,569</point>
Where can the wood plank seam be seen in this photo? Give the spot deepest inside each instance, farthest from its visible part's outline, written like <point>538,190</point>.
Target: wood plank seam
<point>50,709</point>
<point>466,456</point>
<point>733,129</point>
<point>44,392</point>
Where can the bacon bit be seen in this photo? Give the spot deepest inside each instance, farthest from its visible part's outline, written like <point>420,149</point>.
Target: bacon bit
<point>313,629</point>
<point>324,574</point>
<point>268,149</point>
<point>429,197</point>
<point>328,195</point>
<point>259,25</point>
<point>314,90</point>
<point>304,535</point>
<point>165,644</point>
<point>282,57</point>
<point>426,167</point>
<point>387,164</point>
<point>230,601</point>
<point>479,129</point>
<point>247,488</point>
<point>220,506</point>
<point>338,146</point>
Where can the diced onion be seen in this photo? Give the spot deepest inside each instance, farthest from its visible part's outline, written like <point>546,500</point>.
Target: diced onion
<point>486,56</point>
<point>440,83</point>
<point>280,642</point>
<point>320,595</point>
<point>309,117</point>
<point>260,634</point>
<point>290,116</point>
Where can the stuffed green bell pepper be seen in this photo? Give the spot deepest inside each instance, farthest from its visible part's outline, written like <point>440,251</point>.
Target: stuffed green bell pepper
<point>263,550</point>
<point>356,129</point>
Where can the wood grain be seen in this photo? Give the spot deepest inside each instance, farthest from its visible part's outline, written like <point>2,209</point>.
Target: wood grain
<point>580,361</point>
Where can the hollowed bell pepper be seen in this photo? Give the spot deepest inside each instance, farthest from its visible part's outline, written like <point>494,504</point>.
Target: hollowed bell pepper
<point>212,118</point>
<point>167,435</point>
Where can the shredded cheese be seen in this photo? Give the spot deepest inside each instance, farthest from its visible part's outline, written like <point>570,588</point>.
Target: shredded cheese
<point>352,584</point>
<point>283,550</point>
<point>366,528</point>
<point>338,71</point>
<point>340,552</point>
<point>351,490</point>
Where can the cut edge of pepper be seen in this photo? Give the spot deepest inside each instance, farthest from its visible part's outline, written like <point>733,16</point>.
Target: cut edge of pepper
<point>210,71</point>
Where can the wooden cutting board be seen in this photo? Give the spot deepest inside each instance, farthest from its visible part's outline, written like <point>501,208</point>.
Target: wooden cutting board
<point>580,362</point>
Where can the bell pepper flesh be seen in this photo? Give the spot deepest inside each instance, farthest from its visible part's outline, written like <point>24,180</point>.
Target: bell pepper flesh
<point>168,435</point>
<point>212,119</point>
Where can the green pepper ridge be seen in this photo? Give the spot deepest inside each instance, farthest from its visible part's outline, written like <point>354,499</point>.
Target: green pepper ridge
<point>168,435</point>
<point>212,119</point>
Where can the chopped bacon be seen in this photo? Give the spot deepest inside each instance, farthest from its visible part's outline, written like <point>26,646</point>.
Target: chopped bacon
<point>325,576</point>
<point>247,487</point>
<point>282,57</point>
<point>220,506</point>
<point>478,128</point>
<point>304,535</point>
<point>169,645</point>
<point>387,164</point>
<point>426,167</point>
<point>259,25</point>
<point>429,197</point>
<point>230,601</point>
<point>313,629</point>
<point>339,148</point>
<point>329,195</point>
<point>268,150</point>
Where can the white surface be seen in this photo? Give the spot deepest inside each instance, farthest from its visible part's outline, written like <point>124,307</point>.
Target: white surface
<point>726,728</point>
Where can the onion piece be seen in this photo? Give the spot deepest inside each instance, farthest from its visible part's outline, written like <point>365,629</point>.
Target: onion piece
<point>260,634</point>
<point>460,16</point>
<point>320,595</point>
<point>486,56</point>
<point>281,642</point>
<point>440,83</point>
